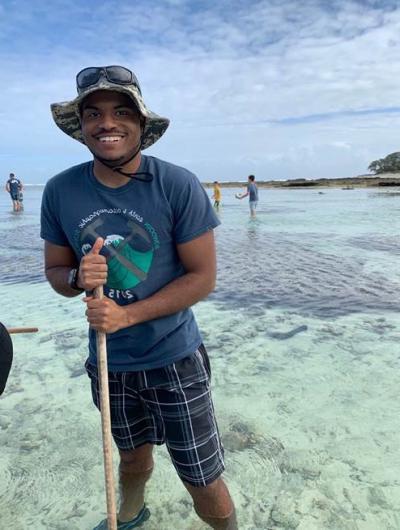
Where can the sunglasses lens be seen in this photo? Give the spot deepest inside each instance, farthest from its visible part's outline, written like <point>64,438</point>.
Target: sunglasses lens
<point>119,75</point>
<point>115,74</point>
<point>87,77</point>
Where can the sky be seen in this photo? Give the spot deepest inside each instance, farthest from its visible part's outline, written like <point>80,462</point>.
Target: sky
<point>281,89</point>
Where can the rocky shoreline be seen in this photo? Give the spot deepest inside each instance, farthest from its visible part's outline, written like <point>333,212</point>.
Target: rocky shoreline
<point>361,181</point>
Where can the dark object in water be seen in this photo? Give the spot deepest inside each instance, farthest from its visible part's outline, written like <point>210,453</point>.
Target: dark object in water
<point>6,356</point>
<point>389,183</point>
<point>283,336</point>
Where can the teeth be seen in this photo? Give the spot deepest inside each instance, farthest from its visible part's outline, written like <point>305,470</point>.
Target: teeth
<point>110,138</point>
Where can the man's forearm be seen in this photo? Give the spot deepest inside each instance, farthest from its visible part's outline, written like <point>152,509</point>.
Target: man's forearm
<point>58,279</point>
<point>176,296</point>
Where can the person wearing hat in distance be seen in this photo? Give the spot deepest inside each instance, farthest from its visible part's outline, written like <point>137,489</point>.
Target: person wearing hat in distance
<point>142,228</point>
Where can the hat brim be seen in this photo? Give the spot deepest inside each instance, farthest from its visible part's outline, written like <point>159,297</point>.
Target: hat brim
<point>67,114</point>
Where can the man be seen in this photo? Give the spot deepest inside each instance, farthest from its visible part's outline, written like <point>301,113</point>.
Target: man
<point>216,194</point>
<point>14,187</point>
<point>252,193</point>
<point>142,228</point>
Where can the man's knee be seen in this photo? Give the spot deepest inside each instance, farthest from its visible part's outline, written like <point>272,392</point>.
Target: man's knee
<point>212,500</point>
<point>138,460</point>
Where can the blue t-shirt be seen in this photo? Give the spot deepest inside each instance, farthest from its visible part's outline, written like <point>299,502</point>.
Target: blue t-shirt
<point>14,185</point>
<point>141,223</point>
<point>252,191</point>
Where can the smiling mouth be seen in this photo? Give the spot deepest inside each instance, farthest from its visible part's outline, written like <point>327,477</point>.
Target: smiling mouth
<point>109,139</point>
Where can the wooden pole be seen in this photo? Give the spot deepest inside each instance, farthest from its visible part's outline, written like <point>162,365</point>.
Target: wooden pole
<point>22,330</point>
<point>106,422</point>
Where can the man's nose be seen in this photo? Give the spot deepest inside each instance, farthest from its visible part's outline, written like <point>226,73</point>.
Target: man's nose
<point>107,121</point>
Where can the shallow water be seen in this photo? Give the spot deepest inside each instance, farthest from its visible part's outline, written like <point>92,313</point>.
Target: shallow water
<point>303,334</point>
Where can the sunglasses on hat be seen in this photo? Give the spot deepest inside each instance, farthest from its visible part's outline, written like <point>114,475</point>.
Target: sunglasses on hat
<point>115,74</point>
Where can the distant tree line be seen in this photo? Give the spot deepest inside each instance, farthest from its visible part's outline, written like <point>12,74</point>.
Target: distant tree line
<point>389,164</point>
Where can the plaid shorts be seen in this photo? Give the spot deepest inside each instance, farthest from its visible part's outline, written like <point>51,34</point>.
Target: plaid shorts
<point>170,405</point>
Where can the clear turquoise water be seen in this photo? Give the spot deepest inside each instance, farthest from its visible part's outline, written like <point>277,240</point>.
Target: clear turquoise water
<point>303,335</point>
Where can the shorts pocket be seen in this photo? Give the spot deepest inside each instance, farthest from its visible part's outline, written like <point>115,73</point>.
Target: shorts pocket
<point>205,359</point>
<point>91,371</point>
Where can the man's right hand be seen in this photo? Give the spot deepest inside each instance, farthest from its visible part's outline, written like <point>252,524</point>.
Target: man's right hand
<point>93,268</point>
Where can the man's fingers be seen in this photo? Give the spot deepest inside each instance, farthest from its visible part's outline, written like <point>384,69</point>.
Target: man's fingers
<point>98,245</point>
<point>93,302</point>
<point>87,299</point>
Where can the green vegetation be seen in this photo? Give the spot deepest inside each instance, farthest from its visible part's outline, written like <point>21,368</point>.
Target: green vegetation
<point>389,164</point>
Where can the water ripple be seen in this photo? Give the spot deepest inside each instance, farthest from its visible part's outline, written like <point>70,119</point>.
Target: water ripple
<point>257,270</point>
<point>377,242</point>
<point>22,255</point>
<point>262,270</point>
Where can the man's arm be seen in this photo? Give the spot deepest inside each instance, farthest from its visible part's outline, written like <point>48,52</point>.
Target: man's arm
<point>58,262</point>
<point>243,195</point>
<point>199,261</point>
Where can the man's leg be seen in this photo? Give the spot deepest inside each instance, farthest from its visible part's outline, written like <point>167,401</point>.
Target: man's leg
<point>214,505</point>
<point>135,469</point>
<point>184,405</point>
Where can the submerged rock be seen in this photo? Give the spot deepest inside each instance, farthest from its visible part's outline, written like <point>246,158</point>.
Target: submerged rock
<point>306,464</point>
<point>280,335</point>
<point>242,436</point>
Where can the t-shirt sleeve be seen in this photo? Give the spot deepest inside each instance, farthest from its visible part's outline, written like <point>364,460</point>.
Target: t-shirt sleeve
<point>192,210</point>
<point>50,227</point>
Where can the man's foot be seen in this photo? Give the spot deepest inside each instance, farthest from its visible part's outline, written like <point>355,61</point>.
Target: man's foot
<point>137,521</point>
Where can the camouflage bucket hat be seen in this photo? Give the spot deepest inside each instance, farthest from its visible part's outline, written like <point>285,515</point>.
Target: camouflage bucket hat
<point>116,79</point>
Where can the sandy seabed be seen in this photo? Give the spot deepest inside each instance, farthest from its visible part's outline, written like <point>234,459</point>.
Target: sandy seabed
<point>308,412</point>
<point>303,334</point>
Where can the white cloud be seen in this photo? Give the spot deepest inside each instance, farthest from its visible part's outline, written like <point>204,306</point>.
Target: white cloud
<point>226,76</point>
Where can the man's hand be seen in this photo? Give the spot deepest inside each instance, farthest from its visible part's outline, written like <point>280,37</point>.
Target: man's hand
<point>105,315</point>
<point>93,268</point>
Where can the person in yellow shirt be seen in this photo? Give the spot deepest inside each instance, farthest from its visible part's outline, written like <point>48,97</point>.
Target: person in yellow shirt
<point>216,194</point>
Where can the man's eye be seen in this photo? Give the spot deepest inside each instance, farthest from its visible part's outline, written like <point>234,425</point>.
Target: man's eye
<point>122,113</point>
<point>91,115</point>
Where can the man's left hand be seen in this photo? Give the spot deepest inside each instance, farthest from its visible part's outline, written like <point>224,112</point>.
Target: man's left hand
<point>105,315</point>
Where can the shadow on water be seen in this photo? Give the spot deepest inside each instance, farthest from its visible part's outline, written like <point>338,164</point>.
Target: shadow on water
<point>257,269</point>
<point>21,253</point>
<point>377,242</point>
<point>260,270</point>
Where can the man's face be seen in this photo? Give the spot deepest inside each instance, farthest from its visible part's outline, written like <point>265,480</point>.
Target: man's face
<point>110,125</point>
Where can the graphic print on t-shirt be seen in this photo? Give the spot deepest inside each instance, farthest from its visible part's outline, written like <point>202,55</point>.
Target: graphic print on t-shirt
<point>129,246</point>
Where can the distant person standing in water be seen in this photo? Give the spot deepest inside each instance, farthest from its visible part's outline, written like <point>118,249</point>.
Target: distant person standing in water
<point>252,193</point>
<point>216,194</point>
<point>14,187</point>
